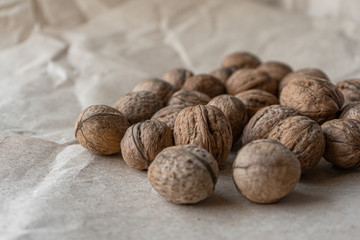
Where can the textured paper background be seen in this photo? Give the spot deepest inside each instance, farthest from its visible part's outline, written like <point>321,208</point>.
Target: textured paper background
<point>59,56</point>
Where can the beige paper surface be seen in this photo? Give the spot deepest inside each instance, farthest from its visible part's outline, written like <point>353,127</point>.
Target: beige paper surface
<point>58,57</point>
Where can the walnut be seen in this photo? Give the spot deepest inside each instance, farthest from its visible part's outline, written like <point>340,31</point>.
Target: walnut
<point>205,126</point>
<point>177,77</point>
<point>138,106</point>
<point>276,70</point>
<point>265,171</point>
<point>351,111</point>
<point>342,143</point>
<point>264,120</point>
<point>317,99</point>
<point>241,60</point>
<point>100,128</point>
<point>143,141</point>
<point>184,174</point>
<point>168,115</point>
<point>303,136</point>
<point>246,79</point>
<point>205,83</point>
<point>223,73</point>
<point>350,89</point>
<point>162,89</point>
<point>255,100</point>
<point>234,110</point>
<point>189,98</point>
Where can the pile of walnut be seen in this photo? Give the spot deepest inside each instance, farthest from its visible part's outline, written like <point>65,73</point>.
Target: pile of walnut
<point>181,127</point>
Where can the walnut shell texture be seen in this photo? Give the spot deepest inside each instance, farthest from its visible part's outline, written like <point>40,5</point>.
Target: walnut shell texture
<point>317,99</point>
<point>223,73</point>
<point>189,98</point>
<point>261,124</point>
<point>276,70</point>
<point>177,77</point>
<point>350,89</point>
<point>342,143</point>
<point>205,83</point>
<point>184,174</point>
<point>234,110</point>
<point>351,111</point>
<point>168,114</point>
<point>255,100</point>
<point>162,89</point>
<point>204,126</point>
<point>241,60</point>
<point>100,128</point>
<point>143,141</point>
<point>139,106</point>
<point>304,137</point>
<point>265,171</point>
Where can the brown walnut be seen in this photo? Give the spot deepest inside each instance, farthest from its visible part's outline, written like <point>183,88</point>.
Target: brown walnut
<point>223,73</point>
<point>168,114</point>
<point>189,98</point>
<point>276,70</point>
<point>162,89</point>
<point>241,60</point>
<point>100,128</point>
<point>351,111</point>
<point>350,89</point>
<point>205,83</point>
<point>177,77</point>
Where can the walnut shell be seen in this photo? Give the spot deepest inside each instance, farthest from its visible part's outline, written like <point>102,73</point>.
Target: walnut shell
<point>205,126</point>
<point>234,110</point>
<point>189,98</point>
<point>205,83</point>
<point>241,60</point>
<point>264,120</point>
<point>246,79</point>
<point>143,141</point>
<point>168,115</point>
<point>162,89</point>
<point>276,70</point>
<point>303,137</point>
<point>100,128</point>
<point>265,171</point>
<point>314,98</point>
<point>223,73</point>
<point>139,106</point>
<point>351,111</point>
<point>177,77</point>
<point>255,100</point>
<point>184,174</point>
<point>350,89</point>
<point>342,143</point>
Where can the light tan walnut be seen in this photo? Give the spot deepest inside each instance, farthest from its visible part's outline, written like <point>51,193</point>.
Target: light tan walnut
<point>351,111</point>
<point>177,77</point>
<point>189,98</point>
<point>162,89</point>
<point>350,88</point>
<point>168,114</point>
<point>205,83</point>
<point>241,60</point>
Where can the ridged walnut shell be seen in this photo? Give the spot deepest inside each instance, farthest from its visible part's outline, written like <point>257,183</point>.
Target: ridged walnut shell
<point>261,124</point>
<point>342,143</point>
<point>189,98</point>
<point>223,73</point>
<point>234,110</point>
<point>139,106</point>
<point>177,77</point>
<point>351,111</point>
<point>316,99</point>
<point>276,70</point>
<point>204,126</point>
<point>246,79</point>
<point>205,83</point>
<point>265,171</point>
<point>184,174</point>
<point>303,137</point>
<point>100,128</point>
<point>350,89</point>
<point>241,60</point>
<point>168,114</point>
<point>143,141</point>
<point>162,89</point>
<point>255,100</point>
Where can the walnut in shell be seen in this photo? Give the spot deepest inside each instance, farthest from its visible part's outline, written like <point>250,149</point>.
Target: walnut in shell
<point>189,98</point>
<point>177,77</point>
<point>168,114</point>
<point>205,83</point>
<point>100,128</point>
<point>184,174</point>
<point>234,110</point>
<point>241,60</point>
<point>139,106</point>
<point>162,89</point>
<point>246,79</point>
<point>265,171</point>
<point>223,73</point>
<point>342,143</point>
<point>350,89</point>
<point>264,120</point>
<point>276,70</point>
<point>317,99</point>
<point>351,111</point>
<point>255,100</point>
<point>205,126</point>
<point>303,136</point>
<point>143,141</point>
